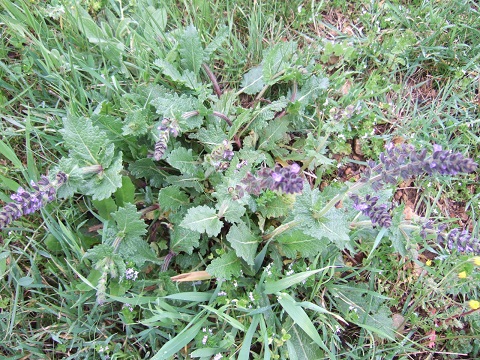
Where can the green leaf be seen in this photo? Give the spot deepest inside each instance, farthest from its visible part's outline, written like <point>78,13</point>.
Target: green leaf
<point>104,184</point>
<point>333,225</point>
<point>278,206</point>
<point>187,77</point>
<point>136,122</point>
<point>226,266</point>
<point>220,37</point>
<point>87,143</point>
<point>277,58</point>
<point>202,219</point>
<point>247,340</point>
<point>105,207</point>
<point>282,284</point>
<point>174,345</point>
<point>300,347</point>
<point>75,177</point>
<point>171,198</point>
<point>191,50</point>
<point>129,223</point>
<point>127,236</point>
<point>275,131</point>
<point>244,242</point>
<point>183,160</point>
<point>171,105</point>
<point>367,306</point>
<point>146,168</point>
<point>398,236</point>
<point>295,241</point>
<point>183,240</point>
<point>300,317</point>
<point>126,193</point>
<point>253,82</point>
<point>266,113</point>
<point>231,210</point>
<point>311,90</point>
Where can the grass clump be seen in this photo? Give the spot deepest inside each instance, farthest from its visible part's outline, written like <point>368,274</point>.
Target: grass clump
<point>227,179</point>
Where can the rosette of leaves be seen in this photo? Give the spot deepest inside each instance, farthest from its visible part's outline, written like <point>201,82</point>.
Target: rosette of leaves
<point>93,165</point>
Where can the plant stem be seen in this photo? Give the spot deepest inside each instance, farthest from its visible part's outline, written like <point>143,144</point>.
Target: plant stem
<point>213,79</point>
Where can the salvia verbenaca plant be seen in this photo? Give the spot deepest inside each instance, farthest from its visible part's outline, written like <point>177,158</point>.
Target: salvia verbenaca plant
<point>27,202</point>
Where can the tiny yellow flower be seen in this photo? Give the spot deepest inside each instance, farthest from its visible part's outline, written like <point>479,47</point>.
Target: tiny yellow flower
<point>474,304</point>
<point>428,263</point>
<point>462,275</point>
<point>476,260</point>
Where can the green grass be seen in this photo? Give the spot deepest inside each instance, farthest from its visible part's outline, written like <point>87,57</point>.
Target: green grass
<point>409,69</point>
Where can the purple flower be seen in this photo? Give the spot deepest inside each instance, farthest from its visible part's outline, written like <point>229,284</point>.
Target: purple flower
<point>167,127</point>
<point>25,202</point>
<point>284,179</point>
<point>461,241</point>
<point>404,162</point>
<point>378,214</point>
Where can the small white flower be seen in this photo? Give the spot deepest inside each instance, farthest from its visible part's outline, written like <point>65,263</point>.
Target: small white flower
<point>218,356</point>
<point>204,340</point>
<point>251,297</point>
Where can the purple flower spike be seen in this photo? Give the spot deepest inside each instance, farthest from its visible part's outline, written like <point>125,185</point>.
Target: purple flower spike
<point>377,213</point>
<point>284,179</point>
<point>461,241</point>
<point>404,162</point>
<point>25,202</point>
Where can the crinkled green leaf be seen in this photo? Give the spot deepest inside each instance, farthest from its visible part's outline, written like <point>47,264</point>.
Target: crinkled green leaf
<point>226,266</point>
<point>101,252</point>
<point>333,225</point>
<point>295,241</point>
<point>275,131</point>
<point>396,235</point>
<point>104,184</point>
<point>172,198</point>
<point>211,136</point>
<point>185,77</point>
<point>183,160</point>
<point>244,242</point>
<point>136,122</point>
<point>191,49</point>
<point>146,168</point>
<point>127,236</point>
<point>266,113</point>
<point>277,58</point>
<point>75,177</point>
<point>311,90</point>
<point>87,143</point>
<point>231,210</point>
<point>202,219</point>
<point>170,104</point>
<point>279,206</point>
<point>128,223</point>
<point>183,240</point>
<point>253,82</point>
